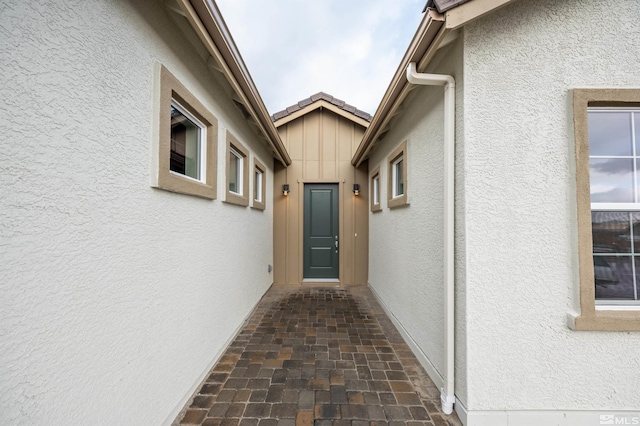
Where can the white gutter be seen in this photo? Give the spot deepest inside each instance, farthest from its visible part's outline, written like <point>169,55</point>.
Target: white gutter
<point>447,394</point>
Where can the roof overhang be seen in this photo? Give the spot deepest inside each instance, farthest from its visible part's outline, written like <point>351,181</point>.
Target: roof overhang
<point>430,29</point>
<point>318,105</point>
<point>207,22</point>
<point>472,10</point>
<point>425,43</point>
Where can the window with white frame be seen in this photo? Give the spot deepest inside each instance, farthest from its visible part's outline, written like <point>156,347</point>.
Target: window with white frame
<point>259,185</point>
<point>397,177</point>
<point>375,189</point>
<point>237,172</point>
<point>614,165</point>
<point>186,147</point>
<point>607,149</point>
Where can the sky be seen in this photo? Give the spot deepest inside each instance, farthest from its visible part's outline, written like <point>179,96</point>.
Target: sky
<point>349,49</point>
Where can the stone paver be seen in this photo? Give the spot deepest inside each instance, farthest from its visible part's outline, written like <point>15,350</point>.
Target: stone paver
<point>317,356</point>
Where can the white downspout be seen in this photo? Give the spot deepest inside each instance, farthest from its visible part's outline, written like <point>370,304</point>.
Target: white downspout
<point>447,394</point>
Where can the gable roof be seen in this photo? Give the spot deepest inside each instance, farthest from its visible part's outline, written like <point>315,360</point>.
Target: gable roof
<point>321,100</point>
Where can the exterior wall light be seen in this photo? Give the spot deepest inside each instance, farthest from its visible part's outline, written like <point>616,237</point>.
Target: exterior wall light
<point>356,189</point>
<point>285,189</point>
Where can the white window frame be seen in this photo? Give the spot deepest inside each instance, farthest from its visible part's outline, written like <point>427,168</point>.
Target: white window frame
<point>260,187</point>
<point>394,177</point>
<point>607,304</point>
<point>394,199</point>
<point>235,148</point>
<point>376,189</point>
<point>257,183</point>
<point>374,184</point>
<point>591,317</point>
<point>172,93</point>
<point>239,171</point>
<point>202,146</point>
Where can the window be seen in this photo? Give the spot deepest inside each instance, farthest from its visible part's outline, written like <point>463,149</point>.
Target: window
<point>237,172</point>
<point>259,185</point>
<point>236,161</point>
<point>397,177</point>
<point>607,134</point>
<point>375,190</point>
<point>185,154</point>
<point>187,147</point>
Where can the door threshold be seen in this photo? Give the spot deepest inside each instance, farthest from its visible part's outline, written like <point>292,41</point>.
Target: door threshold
<point>320,282</point>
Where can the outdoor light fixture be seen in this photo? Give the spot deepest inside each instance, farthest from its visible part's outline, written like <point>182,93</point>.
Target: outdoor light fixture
<point>285,189</point>
<point>356,189</point>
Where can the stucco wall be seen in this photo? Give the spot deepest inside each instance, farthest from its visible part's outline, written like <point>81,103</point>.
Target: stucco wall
<point>520,63</point>
<point>406,243</point>
<point>116,297</point>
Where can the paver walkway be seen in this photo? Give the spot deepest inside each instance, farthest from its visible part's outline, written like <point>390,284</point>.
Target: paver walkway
<point>317,356</point>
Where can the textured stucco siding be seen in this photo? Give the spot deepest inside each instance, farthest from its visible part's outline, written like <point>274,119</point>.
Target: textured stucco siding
<point>116,297</point>
<point>406,243</point>
<point>520,64</point>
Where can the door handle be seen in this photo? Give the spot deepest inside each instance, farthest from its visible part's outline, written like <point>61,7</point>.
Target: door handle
<point>336,243</point>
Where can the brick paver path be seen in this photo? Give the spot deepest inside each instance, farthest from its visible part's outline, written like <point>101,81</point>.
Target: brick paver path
<point>317,356</point>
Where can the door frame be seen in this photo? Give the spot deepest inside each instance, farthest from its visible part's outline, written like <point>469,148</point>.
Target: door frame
<point>341,189</point>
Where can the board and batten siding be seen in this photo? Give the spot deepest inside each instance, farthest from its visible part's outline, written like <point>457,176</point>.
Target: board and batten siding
<point>321,145</point>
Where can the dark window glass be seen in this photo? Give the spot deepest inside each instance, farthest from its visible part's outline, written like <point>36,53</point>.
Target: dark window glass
<point>185,145</point>
<point>614,277</point>
<point>611,232</point>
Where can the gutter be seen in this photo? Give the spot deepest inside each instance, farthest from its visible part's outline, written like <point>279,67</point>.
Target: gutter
<point>447,394</point>
<point>207,22</point>
<point>428,32</point>
<point>424,45</point>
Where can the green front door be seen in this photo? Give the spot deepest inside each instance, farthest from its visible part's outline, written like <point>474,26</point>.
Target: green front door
<point>321,230</point>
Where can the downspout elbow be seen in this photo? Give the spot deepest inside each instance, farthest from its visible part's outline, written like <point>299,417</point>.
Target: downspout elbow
<point>414,77</point>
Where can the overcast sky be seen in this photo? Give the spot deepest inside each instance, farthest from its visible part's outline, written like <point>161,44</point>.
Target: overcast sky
<point>347,48</point>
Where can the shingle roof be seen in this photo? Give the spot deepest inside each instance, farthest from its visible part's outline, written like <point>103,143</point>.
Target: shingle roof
<point>317,97</point>
<point>443,5</point>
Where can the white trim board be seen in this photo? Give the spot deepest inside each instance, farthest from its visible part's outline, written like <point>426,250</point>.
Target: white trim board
<point>547,417</point>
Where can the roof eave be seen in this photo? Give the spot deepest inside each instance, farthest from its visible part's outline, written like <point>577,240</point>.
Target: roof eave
<point>468,12</point>
<point>433,28</point>
<point>430,29</point>
<point>321,103</point>
<point>207,22</point>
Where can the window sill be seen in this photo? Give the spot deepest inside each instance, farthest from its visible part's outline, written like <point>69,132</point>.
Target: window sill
<point>376,208</point>
<point>179,184</point>
<point>258,205</point>
<point>238,200</point>
<point>605,320</point>
<point>400,201</point>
